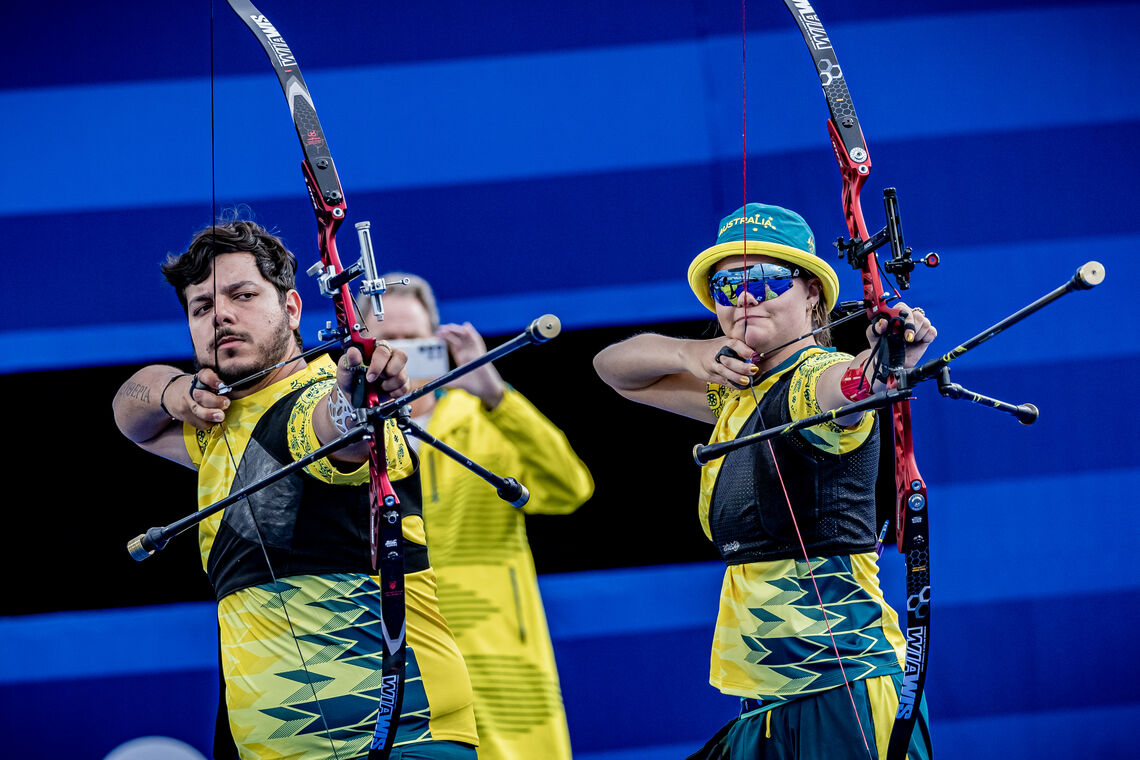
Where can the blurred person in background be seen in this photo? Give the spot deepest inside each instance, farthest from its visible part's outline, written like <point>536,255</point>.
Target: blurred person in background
<point>488,590</point>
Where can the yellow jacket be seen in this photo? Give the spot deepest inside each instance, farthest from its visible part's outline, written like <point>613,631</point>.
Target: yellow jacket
<point>488,590</point>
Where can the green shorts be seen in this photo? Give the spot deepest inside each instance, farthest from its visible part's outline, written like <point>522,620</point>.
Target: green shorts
<point>821,727</point>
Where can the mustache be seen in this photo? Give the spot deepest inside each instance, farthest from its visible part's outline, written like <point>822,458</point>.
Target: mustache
<point>226,333</point>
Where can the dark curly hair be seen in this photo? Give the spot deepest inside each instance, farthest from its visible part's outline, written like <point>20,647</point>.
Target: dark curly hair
<point>274,261</point>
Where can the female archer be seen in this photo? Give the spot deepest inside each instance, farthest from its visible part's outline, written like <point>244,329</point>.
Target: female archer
<point>803,635</point>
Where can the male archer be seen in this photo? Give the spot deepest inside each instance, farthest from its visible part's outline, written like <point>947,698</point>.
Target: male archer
<point>298,604</point>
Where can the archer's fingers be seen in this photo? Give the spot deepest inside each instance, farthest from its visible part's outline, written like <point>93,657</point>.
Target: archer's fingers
<point>351,358</point>
<point>729,366</point>
<point>912,324</point>
<point>346,368</point>
<point>880,326</point>
<point>201,390</point>
<point>917,327</point>
<point>202,408</point>
<point>386,362</point>
<point>205,380</point>
<point>924,330</point>
<point>203,417</point>
<point>391,371</point>
<point>397,385</point>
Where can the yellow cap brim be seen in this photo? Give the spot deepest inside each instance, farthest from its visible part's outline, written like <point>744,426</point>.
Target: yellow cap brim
<point>707,259</point>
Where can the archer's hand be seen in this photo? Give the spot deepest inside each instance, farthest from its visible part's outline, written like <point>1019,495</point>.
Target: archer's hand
<point>704,360</point>
<point>199,406</point>
<point>386,370</point>
<point>466,344</point>
<point>917,331</point>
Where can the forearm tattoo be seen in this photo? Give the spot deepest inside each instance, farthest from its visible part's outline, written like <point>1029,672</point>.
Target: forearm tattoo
<point>136,391</point>
<point>342,413</point>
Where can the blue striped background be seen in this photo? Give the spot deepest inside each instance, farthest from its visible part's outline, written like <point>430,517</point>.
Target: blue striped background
<point>530,157</point>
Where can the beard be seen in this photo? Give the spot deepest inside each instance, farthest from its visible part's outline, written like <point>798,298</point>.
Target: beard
<point>266,355</point>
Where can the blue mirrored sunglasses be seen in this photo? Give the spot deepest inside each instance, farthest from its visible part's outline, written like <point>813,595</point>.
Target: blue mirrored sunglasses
<point>764,282</point>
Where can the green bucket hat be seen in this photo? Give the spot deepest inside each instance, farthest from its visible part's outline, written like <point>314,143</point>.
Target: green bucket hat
<point>759,229</point>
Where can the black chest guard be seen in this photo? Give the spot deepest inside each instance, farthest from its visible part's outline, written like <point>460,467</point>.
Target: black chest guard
<point>309,527</point>
<point>832,495</point>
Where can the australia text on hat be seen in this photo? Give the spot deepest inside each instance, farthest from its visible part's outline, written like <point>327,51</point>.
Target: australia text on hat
<point>765,222</point>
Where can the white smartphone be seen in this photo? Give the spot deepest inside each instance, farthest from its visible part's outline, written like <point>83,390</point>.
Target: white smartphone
<point>427,357</point>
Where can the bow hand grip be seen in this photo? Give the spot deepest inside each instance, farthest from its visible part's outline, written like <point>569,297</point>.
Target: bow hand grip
<point>359,386</point>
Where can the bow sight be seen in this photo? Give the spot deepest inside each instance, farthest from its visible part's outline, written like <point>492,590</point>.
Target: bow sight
<point>900,264</point>
<point>374,287</point>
